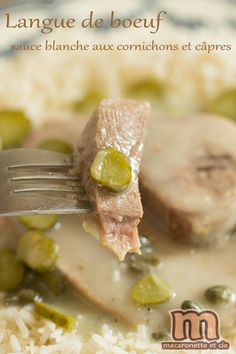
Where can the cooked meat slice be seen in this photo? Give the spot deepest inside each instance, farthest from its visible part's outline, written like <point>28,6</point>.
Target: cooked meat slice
<point>119,124</point>
<point>100,276</point>
<point>188,176</point>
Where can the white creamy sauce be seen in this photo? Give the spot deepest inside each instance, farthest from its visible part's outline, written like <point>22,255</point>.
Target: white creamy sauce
<point>188,271</point>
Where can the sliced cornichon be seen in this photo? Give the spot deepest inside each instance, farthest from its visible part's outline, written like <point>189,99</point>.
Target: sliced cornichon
<point>224,104</point>
<point>37,251</point>
<point>14,126</point>
<point>111,169</point>
<point>52,314</point>
<point>90,100</point>
<point>11,270</point>
<point>146,89</point>
<point>150,290</point>
<point>38,222</point>
<point>57,145</point>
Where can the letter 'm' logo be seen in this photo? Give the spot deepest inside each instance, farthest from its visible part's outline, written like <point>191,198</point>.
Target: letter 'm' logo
<point>194,325</point>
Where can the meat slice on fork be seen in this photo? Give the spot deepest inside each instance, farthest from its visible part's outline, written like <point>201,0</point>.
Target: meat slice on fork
<point>120,124</point>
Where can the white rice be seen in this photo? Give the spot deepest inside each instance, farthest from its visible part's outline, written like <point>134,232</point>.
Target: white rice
<point>50,92</point>
<point>22,332</point>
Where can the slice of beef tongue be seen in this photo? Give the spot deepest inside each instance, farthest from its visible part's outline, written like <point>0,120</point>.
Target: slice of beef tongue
<point>188,176</point>
<point>120,124</point>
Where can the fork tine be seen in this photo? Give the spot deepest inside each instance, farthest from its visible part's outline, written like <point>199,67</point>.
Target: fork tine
<point>30,158</point>
<point>49,177</point>
<point>58,189</point>
<point>38,181</point>
<point>43,205</point>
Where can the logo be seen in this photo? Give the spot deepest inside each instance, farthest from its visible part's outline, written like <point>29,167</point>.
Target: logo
<point>194,330</point>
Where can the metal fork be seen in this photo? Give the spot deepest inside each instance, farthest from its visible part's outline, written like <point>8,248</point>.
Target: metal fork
<point>39,182</point>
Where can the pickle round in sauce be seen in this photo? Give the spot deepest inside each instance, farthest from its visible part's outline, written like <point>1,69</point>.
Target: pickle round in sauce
<point>56,145</point>
<point>11,270</point>
<point>224,104</point>
<point>38,222</point>
<point>111,169</point>
<point>37,251</point>
<point>14,126</point>
<point>150,290</point>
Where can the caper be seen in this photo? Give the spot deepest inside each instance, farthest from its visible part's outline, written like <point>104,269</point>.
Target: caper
<point>56,145</point>
<point>54,315</point>
<point>190,305</point>
<point>142,263</point>
<point>224,104</point>
<point>37,251</point>
<point>150,290</point>
<point>38,222</point>
<point>220,294</point>
<point>161,336</point>
<point>11,270</point>
<point>55,281</point>
<point>14,126</point>
<point>111,169</point>
<point>22,297</point>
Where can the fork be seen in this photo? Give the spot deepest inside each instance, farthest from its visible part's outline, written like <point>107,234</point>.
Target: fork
<point>36,181</point>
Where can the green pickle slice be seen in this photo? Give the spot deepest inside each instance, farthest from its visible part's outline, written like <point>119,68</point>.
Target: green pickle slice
<point>14,126</point>
<point>145,89</point>
<point>150,290</point>
<point>38,222</point>
<point>52,314</point>
<point>37,251</point>
<point>11,270</point>
<point>56,145</point>
<point>90,100</point>
<point>224,104</point>
<point>111,169</point>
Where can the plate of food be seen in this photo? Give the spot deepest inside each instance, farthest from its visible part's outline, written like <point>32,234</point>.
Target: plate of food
<point>60,283</point>
<point>151,138</point>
